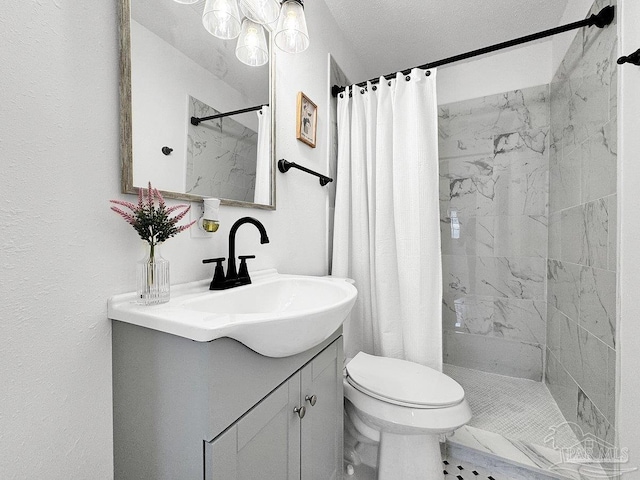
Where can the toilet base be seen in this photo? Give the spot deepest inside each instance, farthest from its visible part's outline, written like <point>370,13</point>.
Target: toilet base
<point>410,457</point>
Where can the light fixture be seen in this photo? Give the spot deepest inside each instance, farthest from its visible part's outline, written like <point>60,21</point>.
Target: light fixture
<point>221,18</point>
<point>292,35</point>
<point>260,11</point>
<point>252,47</point>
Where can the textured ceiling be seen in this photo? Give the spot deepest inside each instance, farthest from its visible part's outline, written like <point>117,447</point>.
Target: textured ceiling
<point>392,35</point>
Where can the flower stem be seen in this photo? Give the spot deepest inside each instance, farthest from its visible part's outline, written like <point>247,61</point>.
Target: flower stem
<point>152,264</point>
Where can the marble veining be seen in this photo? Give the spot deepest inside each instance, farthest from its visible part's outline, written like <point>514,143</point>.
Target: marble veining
<point>530,460</point>
<point>563,287</point>
<point>510,242</point>
<point>562,387</point>
<point>596,221</point>
<point>598,303</point>
<point>511,277</point>
<point>468,313</point>
<point>488,354</point>
<point>592,421</point>
<point>594,355</point>
<point>510,318</point>
<point>581,270</point>
<point>221,156</point>
<point>528,221</point>
<point>493,203</point>
<point>523,320</point>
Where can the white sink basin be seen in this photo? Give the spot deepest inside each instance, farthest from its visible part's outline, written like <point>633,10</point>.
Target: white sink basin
<point>277,315</point>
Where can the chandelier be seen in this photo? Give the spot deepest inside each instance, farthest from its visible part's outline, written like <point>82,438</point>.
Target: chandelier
<point>222,19</point>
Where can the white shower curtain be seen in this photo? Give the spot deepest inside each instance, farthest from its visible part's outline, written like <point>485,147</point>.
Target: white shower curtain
<point>262,194</point>
<point>387,222</point>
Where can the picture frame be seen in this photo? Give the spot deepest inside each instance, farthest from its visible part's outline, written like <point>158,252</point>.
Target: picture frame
<point>306,120</point>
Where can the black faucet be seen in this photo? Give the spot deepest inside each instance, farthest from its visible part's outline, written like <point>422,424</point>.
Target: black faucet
<point>233,277</point>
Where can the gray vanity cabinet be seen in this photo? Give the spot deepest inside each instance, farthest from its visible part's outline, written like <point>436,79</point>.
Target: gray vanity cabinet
<point>265,443</point>
<point>274,441</point>
<point>321,427</point>
<point>220,411</point>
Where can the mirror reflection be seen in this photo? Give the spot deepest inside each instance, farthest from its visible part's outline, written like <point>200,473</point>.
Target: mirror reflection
<point>200,118</point>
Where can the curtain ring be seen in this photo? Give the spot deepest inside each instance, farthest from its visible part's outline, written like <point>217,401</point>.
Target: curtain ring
<point>389,83</point>
<point>428,73</point>
<point>374,88</point>
<point>362,90</point>
<point>407,78</point>
<point>342,95</point>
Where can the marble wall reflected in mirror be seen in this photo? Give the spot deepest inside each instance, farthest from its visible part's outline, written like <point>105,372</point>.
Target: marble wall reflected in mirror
<point>172,69</point>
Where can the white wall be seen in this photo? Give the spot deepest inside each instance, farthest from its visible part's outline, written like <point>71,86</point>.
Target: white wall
<point>514,69</point>
<point>63,252</point>
<point>628,234</point>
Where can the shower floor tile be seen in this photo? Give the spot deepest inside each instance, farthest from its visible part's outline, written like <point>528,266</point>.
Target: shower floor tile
<point>515,408</point>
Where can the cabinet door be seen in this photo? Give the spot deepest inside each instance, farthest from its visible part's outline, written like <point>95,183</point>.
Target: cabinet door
<point>263,444</point>
<point>321,428</point>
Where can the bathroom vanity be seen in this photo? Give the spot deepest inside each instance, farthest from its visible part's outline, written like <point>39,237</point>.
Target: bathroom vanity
<point>244,383</point>
<point>218,410</point>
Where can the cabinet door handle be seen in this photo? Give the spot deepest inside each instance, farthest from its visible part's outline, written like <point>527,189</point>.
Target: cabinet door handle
<point>311,399</point>
<point>300,411</point>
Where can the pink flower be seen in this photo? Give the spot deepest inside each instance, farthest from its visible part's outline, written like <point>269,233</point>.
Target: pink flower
<point>153,224</point>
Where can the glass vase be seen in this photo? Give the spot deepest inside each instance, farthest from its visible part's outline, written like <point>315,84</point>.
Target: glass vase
<point>152,276</point>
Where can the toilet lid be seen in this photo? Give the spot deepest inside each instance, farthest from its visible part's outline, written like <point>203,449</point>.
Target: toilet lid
<point>402,382</point>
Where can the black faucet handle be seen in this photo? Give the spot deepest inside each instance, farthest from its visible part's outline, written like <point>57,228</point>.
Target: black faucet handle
<point>243,271</point>
<point>218,275</point>
<point>217,260</point>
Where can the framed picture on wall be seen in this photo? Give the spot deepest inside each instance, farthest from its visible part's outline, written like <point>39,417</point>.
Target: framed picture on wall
<point>306,120</point>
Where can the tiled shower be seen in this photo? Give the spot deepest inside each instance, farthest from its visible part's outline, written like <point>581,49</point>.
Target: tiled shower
<point>494,163</point>
<point>528,222</point>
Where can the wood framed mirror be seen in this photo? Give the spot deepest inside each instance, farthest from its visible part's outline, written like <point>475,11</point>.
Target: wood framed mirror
<point>173,69</point>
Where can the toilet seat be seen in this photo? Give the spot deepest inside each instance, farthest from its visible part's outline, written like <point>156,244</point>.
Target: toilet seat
<point>403,383</point>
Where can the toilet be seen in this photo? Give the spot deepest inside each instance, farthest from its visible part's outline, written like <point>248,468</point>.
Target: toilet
<point>398,409</point>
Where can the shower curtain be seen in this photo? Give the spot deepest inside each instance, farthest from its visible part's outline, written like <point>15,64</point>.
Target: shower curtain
<point>262,194</point>
<point>387,222</point>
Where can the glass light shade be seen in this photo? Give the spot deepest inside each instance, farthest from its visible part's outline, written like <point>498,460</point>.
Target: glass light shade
<point>252,47</point>
<point>292,35</point>
<point>221,18</point>
<point>260,11</point>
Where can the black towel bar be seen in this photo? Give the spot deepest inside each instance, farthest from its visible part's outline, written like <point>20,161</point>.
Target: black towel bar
<point>284,166</point>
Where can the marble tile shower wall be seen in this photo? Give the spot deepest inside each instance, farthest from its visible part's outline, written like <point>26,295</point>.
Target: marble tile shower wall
<point>221,156</point>
<point>494,165</point>
<point>581,269</point>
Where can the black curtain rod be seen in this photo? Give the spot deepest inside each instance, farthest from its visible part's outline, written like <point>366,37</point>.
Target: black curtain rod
<point>600,20</point>
<point>196,121</point>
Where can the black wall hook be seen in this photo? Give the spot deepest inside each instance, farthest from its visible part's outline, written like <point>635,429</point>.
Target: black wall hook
<point>284,166</point>
<point>634,58</point>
